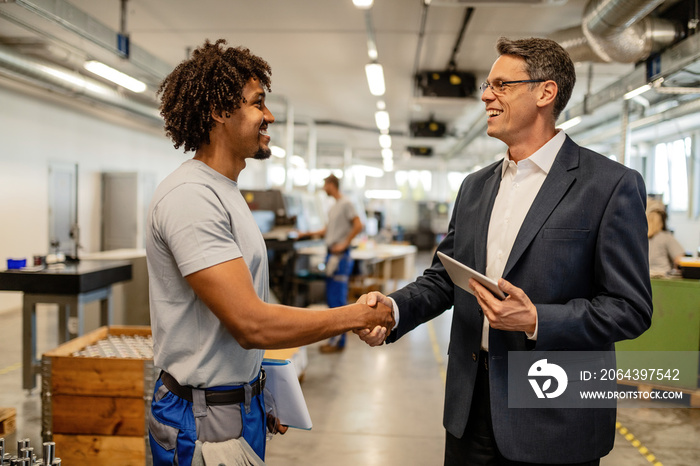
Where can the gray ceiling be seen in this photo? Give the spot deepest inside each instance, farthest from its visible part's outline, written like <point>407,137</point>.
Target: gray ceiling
<point>318,50</point>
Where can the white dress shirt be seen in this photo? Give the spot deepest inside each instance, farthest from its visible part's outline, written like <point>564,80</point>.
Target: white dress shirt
<point>520,183</point>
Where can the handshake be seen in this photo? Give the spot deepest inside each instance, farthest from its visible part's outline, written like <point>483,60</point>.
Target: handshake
<point>381,318</point>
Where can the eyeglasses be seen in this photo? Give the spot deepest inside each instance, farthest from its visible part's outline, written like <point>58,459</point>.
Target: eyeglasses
<point>499,87</point>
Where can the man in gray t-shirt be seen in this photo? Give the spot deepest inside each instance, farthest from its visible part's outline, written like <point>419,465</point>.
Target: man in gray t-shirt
<point>343,225</point>
<point>207,266</point>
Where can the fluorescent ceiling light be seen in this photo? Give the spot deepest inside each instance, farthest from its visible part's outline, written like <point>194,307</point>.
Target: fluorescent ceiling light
<point>639,91</point>
<point>641,101</point>
<point>381,105</point>
<point>298,161</point>
<point>372,51</point>
<point>387,154</point>
<point>570,123</point>
<point>383,194</point>
<point>385,141</point>
<point>363,4</point>
<point>375,78</point>
<point>277,151</point>
<point>388,165</point>
<point>76,80</point>
<point>115,76</point>
<point>368,170</point>
<point>381,117</point>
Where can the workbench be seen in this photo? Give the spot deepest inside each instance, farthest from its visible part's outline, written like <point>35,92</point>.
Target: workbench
<point>381,266</point>
<point>70,286</point>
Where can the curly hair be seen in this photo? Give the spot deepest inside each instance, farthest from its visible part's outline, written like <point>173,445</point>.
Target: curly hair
<point>544,59</point>
<point>212,80</point>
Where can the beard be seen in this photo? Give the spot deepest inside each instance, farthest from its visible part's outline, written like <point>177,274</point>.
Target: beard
<point>263,153</point>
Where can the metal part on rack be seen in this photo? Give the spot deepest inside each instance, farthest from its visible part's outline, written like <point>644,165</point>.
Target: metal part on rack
<point>25,455</point>
<point>49,452</point>
<point>21,443</point>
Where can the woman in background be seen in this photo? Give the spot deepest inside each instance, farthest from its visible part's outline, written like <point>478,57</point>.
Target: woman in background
<point>664,248</point>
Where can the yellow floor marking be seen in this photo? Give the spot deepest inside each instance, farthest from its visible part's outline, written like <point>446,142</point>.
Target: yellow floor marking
<point>11,368</point>
<point>644,451</point>
<point>436,351</point>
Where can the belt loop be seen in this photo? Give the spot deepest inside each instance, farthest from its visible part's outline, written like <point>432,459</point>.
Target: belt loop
<point>199,403</point>
<point>248,396</point>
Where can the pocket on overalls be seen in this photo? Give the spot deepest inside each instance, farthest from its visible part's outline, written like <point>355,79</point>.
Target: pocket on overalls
<point>255,425</point>
<point>164,435</point>
<point>171,428</point>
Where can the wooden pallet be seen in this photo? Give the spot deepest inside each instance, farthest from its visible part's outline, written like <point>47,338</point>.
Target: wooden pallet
<point>8,421</point>
<point>694,394</point>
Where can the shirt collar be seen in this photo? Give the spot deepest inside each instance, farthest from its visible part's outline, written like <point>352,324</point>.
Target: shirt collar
<point>544,156</point>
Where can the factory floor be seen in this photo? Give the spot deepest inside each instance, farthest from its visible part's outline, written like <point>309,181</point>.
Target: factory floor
<point>375,406</point>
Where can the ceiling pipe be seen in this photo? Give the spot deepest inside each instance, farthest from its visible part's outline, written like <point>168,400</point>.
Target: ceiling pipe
<point>621,30</point>
<point>70,83</point>
<point>618,31</point>
<point>574,41</point>
<point>419,47</point>
<point>452,64</point>
<point>611,130</point>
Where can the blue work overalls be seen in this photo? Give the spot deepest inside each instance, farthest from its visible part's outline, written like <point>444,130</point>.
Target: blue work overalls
<point>174,420</point>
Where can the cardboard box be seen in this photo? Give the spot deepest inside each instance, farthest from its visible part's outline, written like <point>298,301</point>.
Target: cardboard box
<point>94,408</point>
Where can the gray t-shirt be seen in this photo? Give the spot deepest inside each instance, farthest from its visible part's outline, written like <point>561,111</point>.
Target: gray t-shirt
<point>340,217</point>
<point>197,219</point>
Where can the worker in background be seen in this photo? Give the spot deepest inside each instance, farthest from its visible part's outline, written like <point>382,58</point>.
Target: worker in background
<point>343,225</point>
<point>664,249</point>
<point>562,230</point>
<point>207,265</point>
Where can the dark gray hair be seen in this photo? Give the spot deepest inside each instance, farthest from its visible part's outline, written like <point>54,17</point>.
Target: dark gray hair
<point>544,59</point>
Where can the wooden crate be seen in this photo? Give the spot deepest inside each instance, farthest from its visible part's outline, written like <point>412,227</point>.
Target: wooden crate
<point>8,421</point>
<point>94,408</point>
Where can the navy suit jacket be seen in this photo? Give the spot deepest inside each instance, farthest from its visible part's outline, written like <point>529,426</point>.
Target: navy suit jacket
<point>581,256</point>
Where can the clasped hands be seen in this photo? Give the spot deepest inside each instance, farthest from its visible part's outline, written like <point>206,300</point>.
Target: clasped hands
<point>376,335</point>
<point>515,313</point>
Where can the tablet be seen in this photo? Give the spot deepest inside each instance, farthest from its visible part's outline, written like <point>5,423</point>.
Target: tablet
<point>460,275</point>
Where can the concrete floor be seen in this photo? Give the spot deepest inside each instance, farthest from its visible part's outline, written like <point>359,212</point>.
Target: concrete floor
<point>375,406</point>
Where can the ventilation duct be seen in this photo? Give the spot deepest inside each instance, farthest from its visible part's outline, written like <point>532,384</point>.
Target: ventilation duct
<point>618,31</point>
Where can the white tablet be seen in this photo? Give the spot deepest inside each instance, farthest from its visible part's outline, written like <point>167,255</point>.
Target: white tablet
<point>460,275</point>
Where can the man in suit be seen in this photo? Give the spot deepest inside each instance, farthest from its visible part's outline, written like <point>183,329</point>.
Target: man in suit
<point>563,231</point>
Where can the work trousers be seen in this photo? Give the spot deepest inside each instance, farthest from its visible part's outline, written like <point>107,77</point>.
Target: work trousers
<point>175,424</point>
<point>338,271</point>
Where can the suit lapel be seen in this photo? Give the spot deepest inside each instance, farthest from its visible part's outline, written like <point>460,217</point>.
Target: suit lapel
<point>490,191</point>
<point>555,186</point>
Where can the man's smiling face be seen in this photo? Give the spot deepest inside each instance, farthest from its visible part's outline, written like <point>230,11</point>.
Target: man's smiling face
<point>248,124</point>
<point>510,111</point>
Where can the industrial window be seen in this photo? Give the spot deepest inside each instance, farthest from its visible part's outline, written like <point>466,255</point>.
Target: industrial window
<point>671,160</point>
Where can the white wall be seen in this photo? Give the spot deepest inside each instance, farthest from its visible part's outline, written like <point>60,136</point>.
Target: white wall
<point>686,231</point>
<point>35,131</point>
